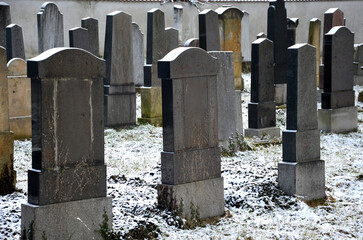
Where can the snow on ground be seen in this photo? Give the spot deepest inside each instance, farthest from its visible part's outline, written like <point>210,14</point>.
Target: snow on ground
<point>256,208</point>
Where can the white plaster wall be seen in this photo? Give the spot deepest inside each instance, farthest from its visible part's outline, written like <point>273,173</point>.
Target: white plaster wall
<point>23,12</point>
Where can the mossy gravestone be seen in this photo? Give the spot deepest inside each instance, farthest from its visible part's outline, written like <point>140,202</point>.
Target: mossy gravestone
<point>67,181</point>
<point>192,185</point>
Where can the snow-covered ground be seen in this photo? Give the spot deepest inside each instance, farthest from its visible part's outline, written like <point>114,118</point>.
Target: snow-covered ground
<point>256,208</point>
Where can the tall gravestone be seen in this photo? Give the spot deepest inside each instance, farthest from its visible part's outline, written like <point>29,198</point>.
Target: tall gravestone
<point>19,99</point>
<point>5,20</point>
<point>138,54</point>
<point>228,101</point>
<point>230,31</point>
<point>67,181</point>
<point>277,33</point>
<point>91,24</point>
<point>178,21</point>
<point>292,24</point>
<point>14,42</point>
<point>78,38</point>
<point>50,27</point>
<point>332,17</point>
<point>209,30</point>
<point>159,42</point>
<point>314,40</point>
<point>245,38</point>
<point>7,173</point>
<point>338,113</point>
<point>261,109</point>
<point>301,172</point>
<point>120,96</point>
<point>190,161</point>
<point>357,64</point>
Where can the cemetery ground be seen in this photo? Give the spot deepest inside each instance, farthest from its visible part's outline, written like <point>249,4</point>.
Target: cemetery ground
<point>255,207</point>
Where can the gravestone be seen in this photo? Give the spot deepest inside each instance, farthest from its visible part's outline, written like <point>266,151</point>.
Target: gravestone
<point>78,38</point>
<point>5,20</point>
<point>261,109</point>
<point>14,42</point>
<point>190,162</point>
<point>192,42</point>
<point>332,17</point>
<point>178,22</point>
<point>91,24</point>
<point>261,35</point>
<point>245,37</point>
<point>67,181</point>
<point>159,42</point>
<point>120,96</point>
<point>314,40</point>
<point>138,54</point>
<point>19,99</point>
<point>292,24</point>
<point>209,30</point>
<point>230,31</point>
<point>301,172</point>
<point>50,27</point>
<point>7,173</point>
<point>338,113</point>
<point>228,101</point>
<point>358,64</point>
<point>277,33</point>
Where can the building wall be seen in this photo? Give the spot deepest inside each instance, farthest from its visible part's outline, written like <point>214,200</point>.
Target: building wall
<point>23,12</point>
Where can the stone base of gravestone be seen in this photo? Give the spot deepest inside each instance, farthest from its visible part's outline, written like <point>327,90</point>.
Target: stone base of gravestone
<point>7,173</point>
<point>151,108</point>
<point>121,109</point>
<point>318,94</point>
<point>338,120</point>
<point>358,80</point>
<point>260,132</point>
<point>280,93</point>
<point>201,199</point>
<point>69,220</point>
<point>358,68</point>
<point>303,179</point>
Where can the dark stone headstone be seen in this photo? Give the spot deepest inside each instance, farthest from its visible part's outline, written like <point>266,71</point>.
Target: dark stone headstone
<point>301,172</point>
<point>5,20</point>
<point>91,24</point>
<point>261,35</point>
<point>14,42</point>
<point>292,24</point>
<point>68,174</point>
<point>50,27</point>
<point>209,31</point>
<point>261,109</point>
<point>78,37</point>
<point>120,96</point>
<point>190,162</point>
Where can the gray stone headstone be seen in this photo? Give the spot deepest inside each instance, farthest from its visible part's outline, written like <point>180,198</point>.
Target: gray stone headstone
<point>292,24</point>
<point>120,96</point>
<point>301,172</point>
<point>78,37</point>
<point>245,37</point>
<point>50,27</point>
<point>192,42</point>
<point>229,125</point>
<point>14,42</point>
<point>178,21</point>
<point>261,35</point>
<point>138,54</point>
<point>261,109</point>
<point>5,20</point>
<point>209,31</point>
<point>190,161</point>
<point>68,175</point>
<point>314,40</point>
<point>91,24</point>
<point>7,173</point>
<point>358,60</point>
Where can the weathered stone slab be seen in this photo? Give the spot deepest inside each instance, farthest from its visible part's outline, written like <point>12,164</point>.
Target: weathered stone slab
<point>14,42</point>
<point>5,20</point>
<point>245,37</point>
<point>178,21</point>
<point>358,59</point>
<point>209,30</point>
<point>338,120</point>
<point>192,42</point>
<point>138,54</point>
<point>151,110</point>
<point>230,38</point>
<point>91,24</point>
<point>292,24</point>
<point>50,27</point>
<point>78,37</point>
<point>314,40</point>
